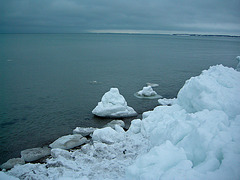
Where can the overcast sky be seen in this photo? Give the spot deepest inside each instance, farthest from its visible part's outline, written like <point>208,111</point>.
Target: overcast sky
<point>147,16</point>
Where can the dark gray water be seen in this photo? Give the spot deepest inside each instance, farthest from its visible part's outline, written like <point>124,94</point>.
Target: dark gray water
<point>46,79</point>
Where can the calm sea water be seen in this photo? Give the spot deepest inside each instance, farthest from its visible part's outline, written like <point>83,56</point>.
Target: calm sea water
<point>46,79</point>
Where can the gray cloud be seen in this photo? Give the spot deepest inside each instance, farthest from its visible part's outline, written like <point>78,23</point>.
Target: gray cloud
<point>63,16</point>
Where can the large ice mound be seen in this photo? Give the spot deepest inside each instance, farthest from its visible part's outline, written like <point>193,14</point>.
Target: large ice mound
<point>198,136</point>
<point>114,105</point>
<point>217,88</point>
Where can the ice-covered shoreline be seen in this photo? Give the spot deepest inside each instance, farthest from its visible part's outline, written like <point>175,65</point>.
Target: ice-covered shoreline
<point>197,137</point>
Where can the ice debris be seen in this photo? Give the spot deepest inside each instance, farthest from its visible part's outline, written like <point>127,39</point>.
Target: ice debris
<point>113,105</point>
<point>84,131</point>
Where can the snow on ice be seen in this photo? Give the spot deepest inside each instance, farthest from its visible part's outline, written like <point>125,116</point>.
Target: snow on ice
<point>147,93</point>
<point>197,137</point>
<point>114,105</point>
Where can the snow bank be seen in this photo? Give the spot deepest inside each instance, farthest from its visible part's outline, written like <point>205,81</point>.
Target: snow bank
<point>195,138</point>
<point>198,136</point>
<point>114,105</point>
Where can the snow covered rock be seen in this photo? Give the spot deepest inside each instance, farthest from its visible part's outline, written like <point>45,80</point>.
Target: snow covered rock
<point>34,154</point>
<point>106,135</point>
<point>115,122</point>
<point>238,65</point>
<point>147,92</point>
<point>12,162</point>
<point>114,105</point>
<point>69,141</point>
<point>84,131</point>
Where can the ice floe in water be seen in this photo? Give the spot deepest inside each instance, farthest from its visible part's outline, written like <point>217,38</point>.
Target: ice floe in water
<point>113,104</point>
<point>195,138</point>
<point>94,82</point>
<point>147,93</point>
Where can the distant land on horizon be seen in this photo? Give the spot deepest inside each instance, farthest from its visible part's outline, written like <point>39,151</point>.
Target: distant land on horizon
<point>138,33</point>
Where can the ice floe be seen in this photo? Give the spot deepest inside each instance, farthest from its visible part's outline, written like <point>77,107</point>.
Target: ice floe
<point>113,104</point>
<point>147,93</point>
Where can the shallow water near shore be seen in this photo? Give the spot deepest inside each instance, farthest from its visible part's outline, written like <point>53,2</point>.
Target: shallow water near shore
<point>51,82</point>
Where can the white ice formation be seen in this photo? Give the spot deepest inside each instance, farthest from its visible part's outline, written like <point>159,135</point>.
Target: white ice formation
<point>196,138</point>
<point>113,105</point>
<point>148,93</point>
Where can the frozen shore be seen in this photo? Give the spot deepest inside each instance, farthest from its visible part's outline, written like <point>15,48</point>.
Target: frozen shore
<point>197,137</point>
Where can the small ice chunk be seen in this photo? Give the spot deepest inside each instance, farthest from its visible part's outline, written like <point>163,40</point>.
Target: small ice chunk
<point>69,141</point>
<point>146,114</point>
<point>56,152</point>
<point>114,105</point>
<point>115,122</point>
<point>84,131</point>
<point>119,129</point>
<point>34,154</point>
<point>11,163</point>
<point>135,126</point>
<point>106,135</point>
<point>148,93</point>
